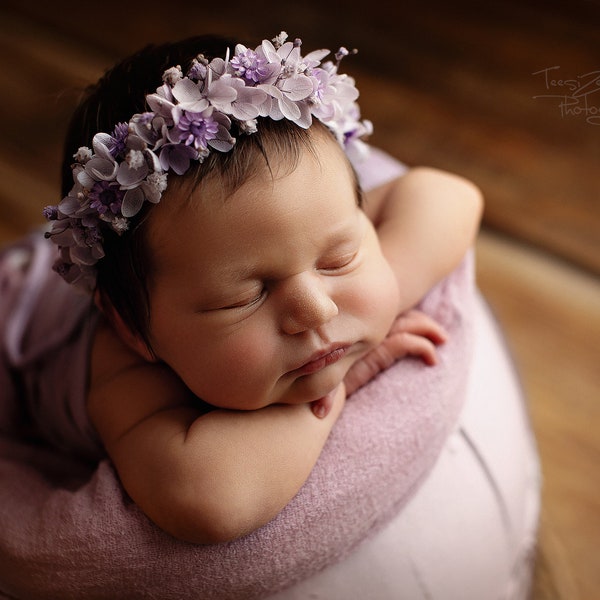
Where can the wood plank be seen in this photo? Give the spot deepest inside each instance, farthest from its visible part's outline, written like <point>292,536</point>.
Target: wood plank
<point>551,315</point>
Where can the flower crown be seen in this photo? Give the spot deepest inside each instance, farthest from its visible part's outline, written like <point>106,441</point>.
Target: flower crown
<point>189,117</point>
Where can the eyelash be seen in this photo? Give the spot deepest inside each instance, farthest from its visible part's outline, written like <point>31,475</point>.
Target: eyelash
<point>341,263</point>
<point>249,303</point>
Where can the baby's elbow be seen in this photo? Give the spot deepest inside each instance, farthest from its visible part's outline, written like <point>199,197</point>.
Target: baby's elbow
<point>213,527</point>
<point>473,205</point>
<point>204,521</point>
<point>466,200</point>
<point>202,530</point>
<point>467,192</point>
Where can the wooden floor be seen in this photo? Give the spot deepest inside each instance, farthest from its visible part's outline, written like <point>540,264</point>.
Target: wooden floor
<point>495,93</point>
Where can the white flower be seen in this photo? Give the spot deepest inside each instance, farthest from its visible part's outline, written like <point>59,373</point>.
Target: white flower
<point>173,75</point>
<point>82,155</point>
<point>135,159</point>
<point>230,95</point>
<point>189,96</point>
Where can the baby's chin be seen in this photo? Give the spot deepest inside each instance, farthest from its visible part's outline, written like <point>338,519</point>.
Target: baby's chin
<point>302,390</point>
<point>311,388</point>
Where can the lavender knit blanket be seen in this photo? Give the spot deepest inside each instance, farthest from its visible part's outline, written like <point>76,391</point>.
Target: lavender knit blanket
<point>67,528</point>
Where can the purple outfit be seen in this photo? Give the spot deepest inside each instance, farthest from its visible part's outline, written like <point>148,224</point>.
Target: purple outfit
<point>46,331</point>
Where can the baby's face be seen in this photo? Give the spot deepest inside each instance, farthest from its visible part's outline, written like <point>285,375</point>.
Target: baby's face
<point>270,295</point>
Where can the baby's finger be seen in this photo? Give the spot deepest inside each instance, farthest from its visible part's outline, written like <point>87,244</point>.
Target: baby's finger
<point>359,374</point>
<point>402,344</point>
<point>373,363</point>
<point>418,323</point>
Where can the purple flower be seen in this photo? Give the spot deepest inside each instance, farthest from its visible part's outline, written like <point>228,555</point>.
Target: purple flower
<point>198,69</point>
<point>148,127</point>
<point>196,129</point>
<point>105,196</point>
<point>252,67</point>
<point>162,102</point>
<point>223,142</point>
<point>101,167</point>
<point>132,202</point>
<point>230,96</point>
<point>289,100</point>
<point>116,142</point>
<point>137,164</point>
<point>92,236</point>
<point>51,213</point>
<point>177,157</point>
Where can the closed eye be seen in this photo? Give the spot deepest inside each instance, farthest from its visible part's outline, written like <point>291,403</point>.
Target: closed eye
<point>247,302</point>
<point>341,263</point>
<point>243,301</point>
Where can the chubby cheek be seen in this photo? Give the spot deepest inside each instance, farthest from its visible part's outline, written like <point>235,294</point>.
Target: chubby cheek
<point>378,300</point>
<point>237,371</point>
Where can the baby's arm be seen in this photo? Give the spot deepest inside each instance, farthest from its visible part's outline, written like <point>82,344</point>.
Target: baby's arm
<point>426,221</point>
<point>204,477</point>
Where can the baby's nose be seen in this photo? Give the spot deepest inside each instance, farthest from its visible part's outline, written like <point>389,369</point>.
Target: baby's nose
<point>307,303</point>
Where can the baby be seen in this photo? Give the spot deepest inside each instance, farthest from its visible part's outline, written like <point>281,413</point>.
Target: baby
<point>243,300</point>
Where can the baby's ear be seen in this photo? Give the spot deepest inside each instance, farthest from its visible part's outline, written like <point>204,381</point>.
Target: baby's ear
<point>128,337</point>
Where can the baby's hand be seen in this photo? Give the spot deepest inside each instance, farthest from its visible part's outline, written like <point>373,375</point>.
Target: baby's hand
<point>413,333</point>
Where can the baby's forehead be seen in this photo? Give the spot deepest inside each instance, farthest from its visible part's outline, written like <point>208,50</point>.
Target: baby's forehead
<point>220,177</point>
<point>250,165</point>
<point>210,212</point>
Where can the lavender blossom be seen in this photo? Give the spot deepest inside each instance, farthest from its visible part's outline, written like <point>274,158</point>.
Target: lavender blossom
<point>147,126</point>
<point>229,95</point>
<point>116,141</point>
<point>177,157</point>
<point>50,213</point>
<point>250,65</point>
<point>195,129</point>
<point>106,196</point>
<point>198,69</point>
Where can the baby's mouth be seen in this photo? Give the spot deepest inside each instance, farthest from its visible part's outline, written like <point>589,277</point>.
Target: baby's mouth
<point>321,359</point>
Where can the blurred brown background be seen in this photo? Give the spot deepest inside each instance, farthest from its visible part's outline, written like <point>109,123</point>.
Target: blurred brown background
<point>505,93</point>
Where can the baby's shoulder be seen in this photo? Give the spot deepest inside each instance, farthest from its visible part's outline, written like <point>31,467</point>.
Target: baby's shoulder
<point>110,356</point>
<point>125,389</point>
